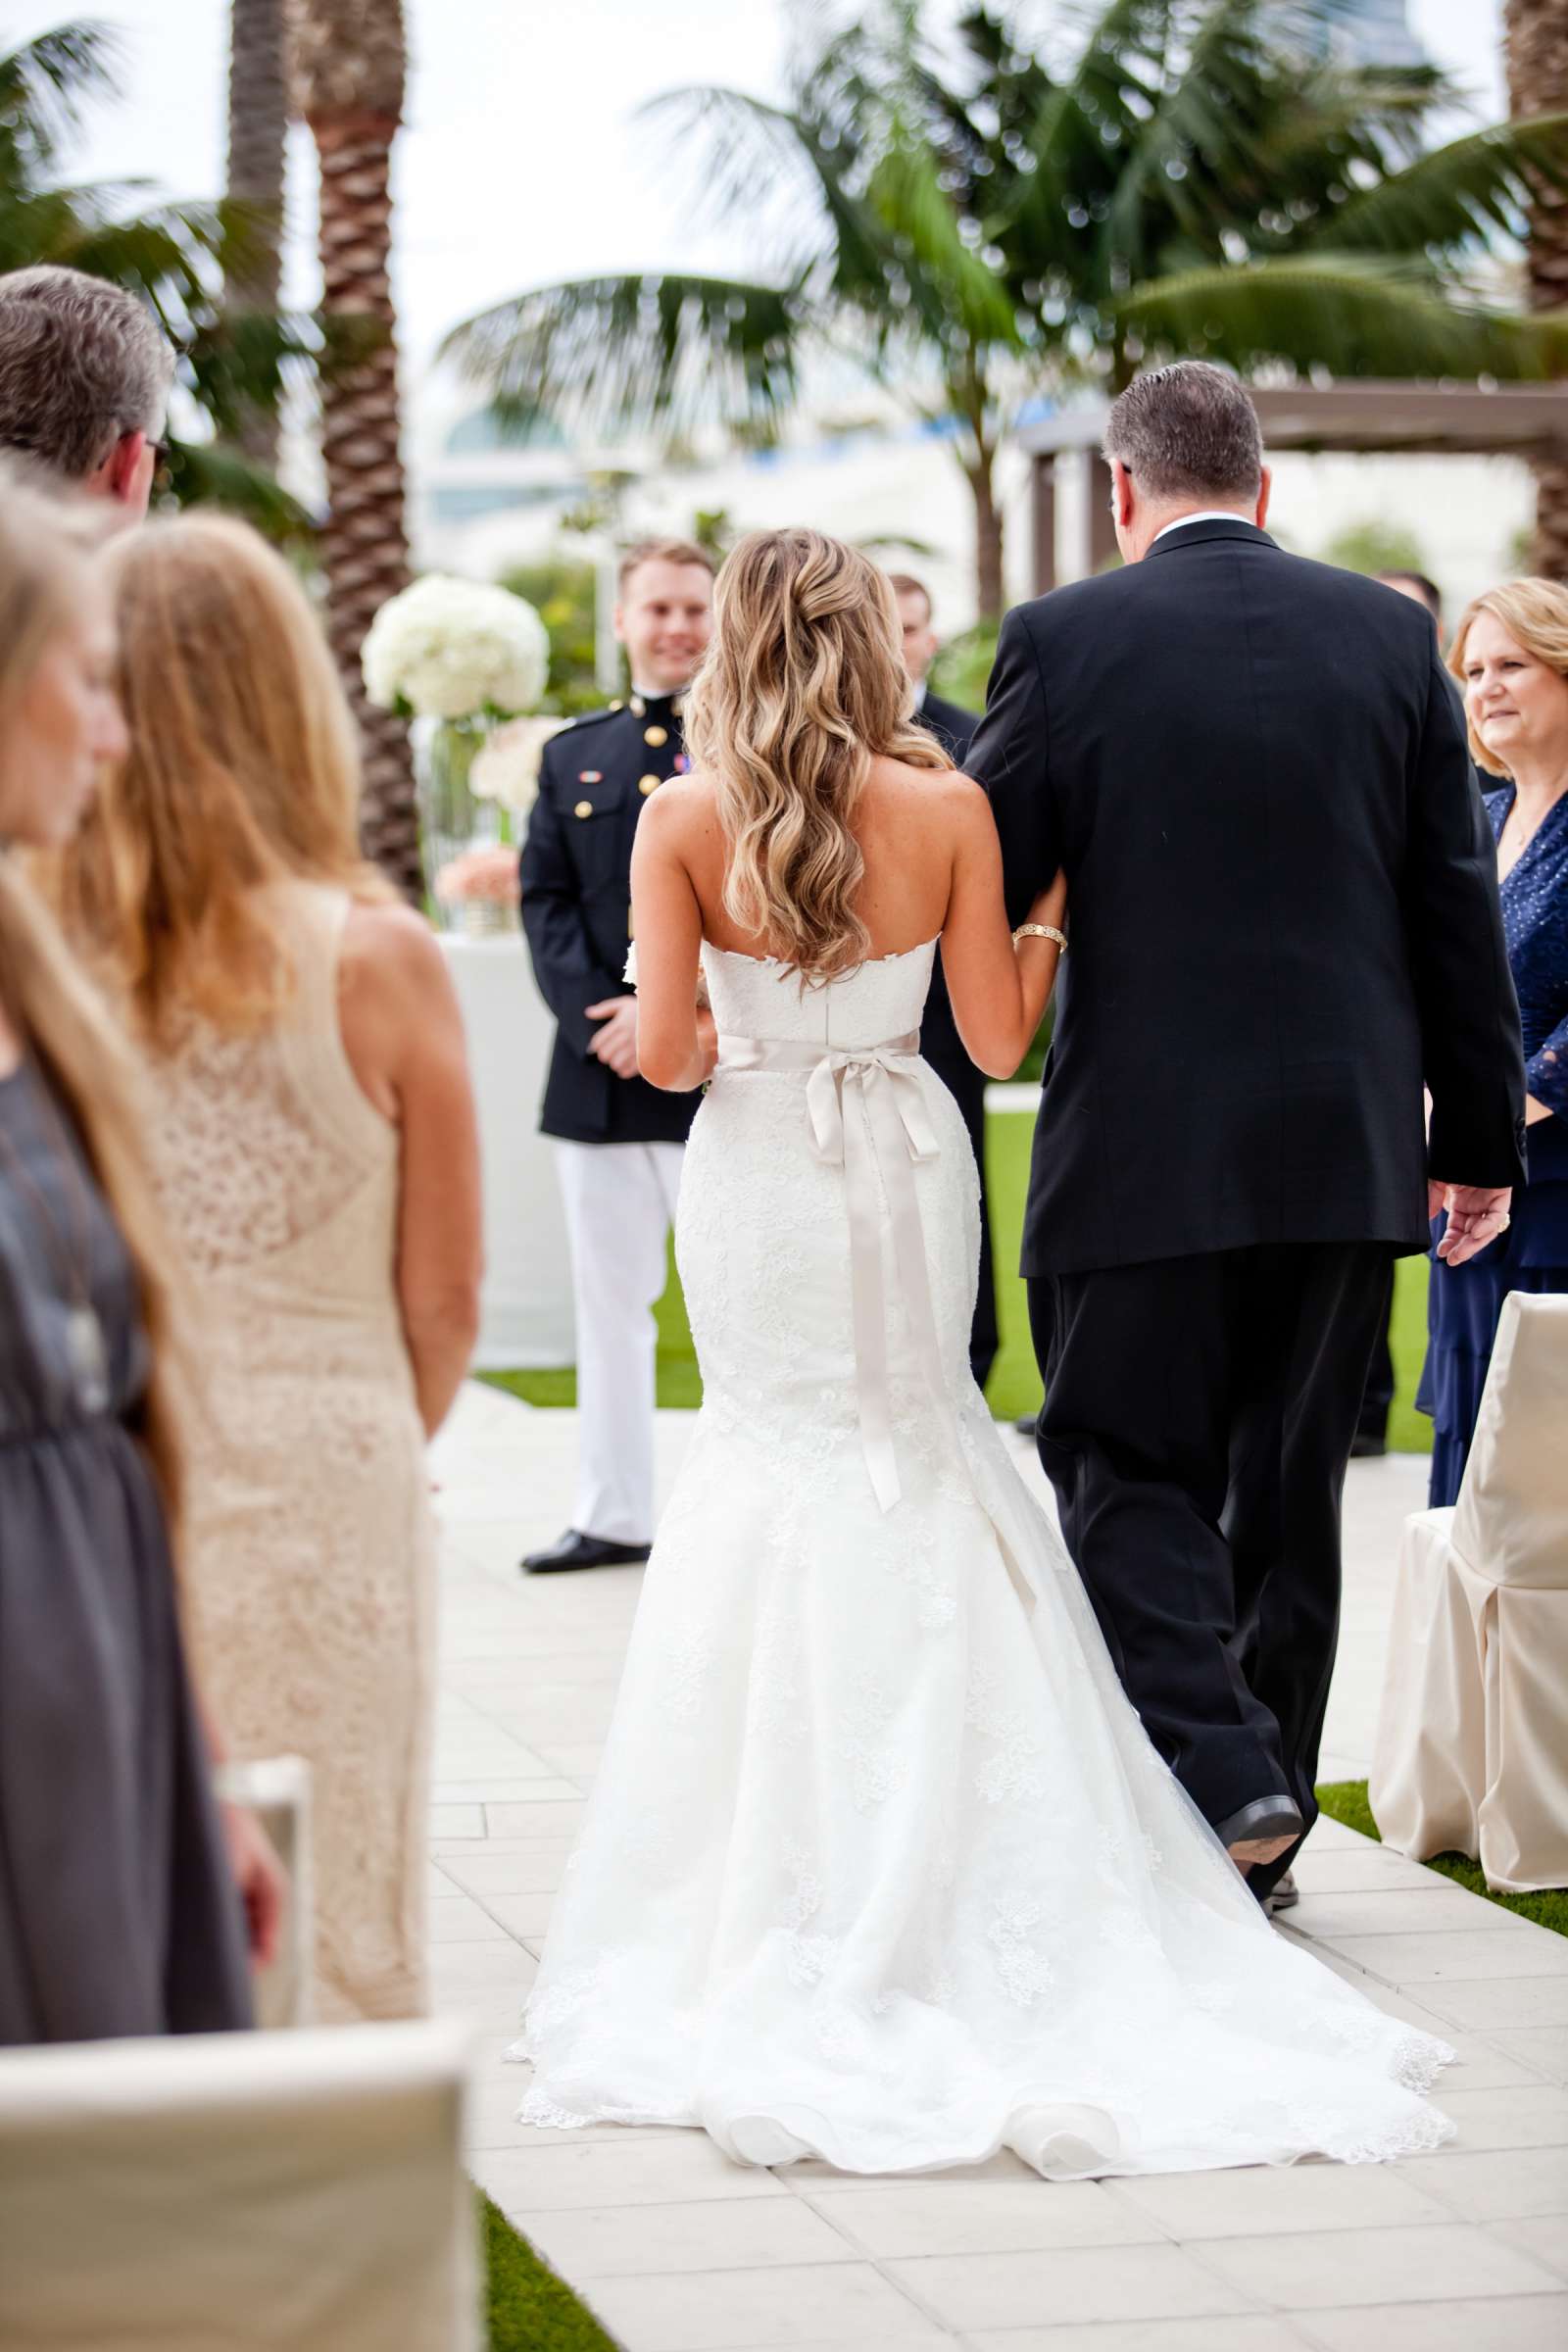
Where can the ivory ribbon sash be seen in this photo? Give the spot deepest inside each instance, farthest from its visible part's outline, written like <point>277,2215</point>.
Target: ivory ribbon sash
<point>894,1132</point>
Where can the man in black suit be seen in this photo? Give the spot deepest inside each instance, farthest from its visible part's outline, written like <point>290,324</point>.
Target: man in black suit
<point>618,1140</point>
<point>940,1041</point>
<point>1283,910</point>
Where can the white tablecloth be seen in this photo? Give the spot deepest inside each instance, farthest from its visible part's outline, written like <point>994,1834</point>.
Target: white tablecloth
<point>525,1315</point>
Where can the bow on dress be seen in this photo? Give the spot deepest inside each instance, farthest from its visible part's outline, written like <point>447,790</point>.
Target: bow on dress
<point>891,1133</point>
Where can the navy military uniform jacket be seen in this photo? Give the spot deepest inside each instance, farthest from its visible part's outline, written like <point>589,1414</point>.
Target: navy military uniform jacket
<point>575,874</point>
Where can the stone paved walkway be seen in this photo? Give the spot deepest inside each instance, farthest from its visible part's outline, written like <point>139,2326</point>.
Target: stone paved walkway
<point>678,2250</point>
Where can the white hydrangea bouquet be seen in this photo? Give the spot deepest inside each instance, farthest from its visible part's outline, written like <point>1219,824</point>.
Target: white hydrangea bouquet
<point>457,650</point>
<point>463,659</point>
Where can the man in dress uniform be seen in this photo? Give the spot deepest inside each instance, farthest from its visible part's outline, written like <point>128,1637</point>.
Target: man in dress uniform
<point>940,1041</point>
<point>618,1140</point>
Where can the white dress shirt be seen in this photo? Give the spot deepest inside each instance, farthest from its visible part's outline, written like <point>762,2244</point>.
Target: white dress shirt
<point>1204,514</point>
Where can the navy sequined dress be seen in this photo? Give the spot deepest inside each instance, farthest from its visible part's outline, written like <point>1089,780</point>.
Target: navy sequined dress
<point>1465,1301</point>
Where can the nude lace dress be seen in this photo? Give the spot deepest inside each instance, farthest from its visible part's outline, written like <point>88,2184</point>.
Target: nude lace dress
<point>310,1553</point>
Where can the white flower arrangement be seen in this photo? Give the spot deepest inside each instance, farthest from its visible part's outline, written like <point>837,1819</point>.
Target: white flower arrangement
<point>506,769</point>
<point>456,649</point>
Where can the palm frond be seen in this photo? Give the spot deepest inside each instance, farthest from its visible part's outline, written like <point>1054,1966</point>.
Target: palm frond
<point>1455,196</point>
<point>1346,313</point>
<point>948,282</point>
<point>618,353</point>
<point>48,84</point>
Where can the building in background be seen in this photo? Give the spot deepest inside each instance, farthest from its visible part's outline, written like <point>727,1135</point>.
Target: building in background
<point>1377,32</point>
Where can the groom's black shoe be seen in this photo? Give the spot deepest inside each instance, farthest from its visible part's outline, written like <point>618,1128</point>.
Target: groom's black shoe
<point>1262,1830</point>
<point>576,1550</point>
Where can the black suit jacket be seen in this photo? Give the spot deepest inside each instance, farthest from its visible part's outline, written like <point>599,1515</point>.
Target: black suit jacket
<point>940,1042</point>
<point>576,873</point>
<point>1282,901</point>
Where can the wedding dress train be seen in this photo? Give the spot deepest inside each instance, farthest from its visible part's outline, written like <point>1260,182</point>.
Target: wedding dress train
<point>879,1866</point>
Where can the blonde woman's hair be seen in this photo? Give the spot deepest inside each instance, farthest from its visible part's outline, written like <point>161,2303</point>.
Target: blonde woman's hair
<point>243,772</point>
<point>1534,612</point>
<point>45,548</point>
<point>801,686</point>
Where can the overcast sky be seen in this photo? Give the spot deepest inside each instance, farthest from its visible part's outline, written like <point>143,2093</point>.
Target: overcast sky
<point>522,160</point>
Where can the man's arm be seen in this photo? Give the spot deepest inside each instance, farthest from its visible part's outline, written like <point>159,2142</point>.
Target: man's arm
<point>1473,1058</point>
<point>565,964</point>
<point>1008,759</point>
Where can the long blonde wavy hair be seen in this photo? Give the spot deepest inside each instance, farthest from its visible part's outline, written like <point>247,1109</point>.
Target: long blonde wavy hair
<point>243,771</point>
<point>45,548</point>
<point>801,686</point>
<point>1535,613</point>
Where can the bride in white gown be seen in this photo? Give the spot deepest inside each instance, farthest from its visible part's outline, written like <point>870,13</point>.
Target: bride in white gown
<point>880,1866</point>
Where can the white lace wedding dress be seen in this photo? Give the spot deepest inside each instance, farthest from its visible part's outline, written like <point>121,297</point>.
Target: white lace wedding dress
<point>880,1866</point>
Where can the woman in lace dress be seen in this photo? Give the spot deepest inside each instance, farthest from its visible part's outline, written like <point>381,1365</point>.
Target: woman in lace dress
<point>880,1866</point>
<point>317,1159</point>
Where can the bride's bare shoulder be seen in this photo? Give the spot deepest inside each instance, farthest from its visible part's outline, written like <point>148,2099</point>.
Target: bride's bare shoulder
<point>939,796</point>
<point>683,805</point>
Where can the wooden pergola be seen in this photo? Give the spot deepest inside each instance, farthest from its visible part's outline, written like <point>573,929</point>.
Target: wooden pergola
<point>1362,419</point>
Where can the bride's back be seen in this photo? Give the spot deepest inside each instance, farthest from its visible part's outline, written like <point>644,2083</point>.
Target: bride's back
<point>901,827</point>
<point>813,828</point>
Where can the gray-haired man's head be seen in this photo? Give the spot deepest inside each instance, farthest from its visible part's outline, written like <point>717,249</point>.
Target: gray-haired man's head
<point>1183,439</point>
<point>84,379</point>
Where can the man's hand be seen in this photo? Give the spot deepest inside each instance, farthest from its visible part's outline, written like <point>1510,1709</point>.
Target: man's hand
<point>615,1044</point>
<point>261,1879</point>
<point>1477,1214</point>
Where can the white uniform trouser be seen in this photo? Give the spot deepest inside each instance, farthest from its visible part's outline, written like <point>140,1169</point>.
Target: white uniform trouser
<point>619,1200</point>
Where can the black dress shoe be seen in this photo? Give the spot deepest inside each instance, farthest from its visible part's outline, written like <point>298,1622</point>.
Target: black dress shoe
<point>1265,1820</point>
<point>1365,1445</point>
<point>1283,1896</point>
<point>576,1550</point>
<point>1028,1426</point>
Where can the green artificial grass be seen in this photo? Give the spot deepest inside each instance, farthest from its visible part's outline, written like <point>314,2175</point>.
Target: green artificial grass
<point>1347,1801</point>
<point>528,2308</point>
<point>1013,1388</point>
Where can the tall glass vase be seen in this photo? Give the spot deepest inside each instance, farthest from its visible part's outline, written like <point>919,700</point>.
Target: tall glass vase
<point>452,818</point>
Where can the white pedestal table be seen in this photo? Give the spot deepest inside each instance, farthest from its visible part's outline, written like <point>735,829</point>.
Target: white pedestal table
<point>525,1314</point>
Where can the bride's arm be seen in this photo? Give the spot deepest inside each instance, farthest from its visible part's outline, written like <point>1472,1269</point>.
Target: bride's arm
<point>675,1044</point>
<point>998,990</point>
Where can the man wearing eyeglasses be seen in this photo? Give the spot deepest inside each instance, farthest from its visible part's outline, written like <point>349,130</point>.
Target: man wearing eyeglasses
<point>86,371</point>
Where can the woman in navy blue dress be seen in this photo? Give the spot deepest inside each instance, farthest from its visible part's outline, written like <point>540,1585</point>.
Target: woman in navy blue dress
<point>1510,657</point>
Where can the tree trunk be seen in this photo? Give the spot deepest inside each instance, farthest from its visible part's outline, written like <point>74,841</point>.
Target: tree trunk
<point>990,594</point>
<point>258,129</point>
<point>349,57</point>
<point>1536,39</point>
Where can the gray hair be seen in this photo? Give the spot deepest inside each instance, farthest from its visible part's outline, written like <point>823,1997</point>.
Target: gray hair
<point>1188,430</point>
<point>82,362</point>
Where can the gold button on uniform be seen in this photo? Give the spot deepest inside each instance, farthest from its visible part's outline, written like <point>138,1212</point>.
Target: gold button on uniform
<point>648,784</point>
<point>584,809</point>
<point>656,736</point>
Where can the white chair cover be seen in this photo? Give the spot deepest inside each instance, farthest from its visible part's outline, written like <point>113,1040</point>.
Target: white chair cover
<point>278,1791</point>
<point>1472,1744</point>
<point>225,2192</point>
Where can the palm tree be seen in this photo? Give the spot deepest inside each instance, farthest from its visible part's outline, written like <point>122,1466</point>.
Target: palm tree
<point>350,64</point>
<point>1536,36</point>
<point>258,131</point>
<point>1200,177</point>
<point>174,256</point>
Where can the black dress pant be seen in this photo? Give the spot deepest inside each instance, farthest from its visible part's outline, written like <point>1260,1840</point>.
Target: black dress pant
<point>1197,1421</point>
<point>967,1086</point>
<point>1378,1395</point>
